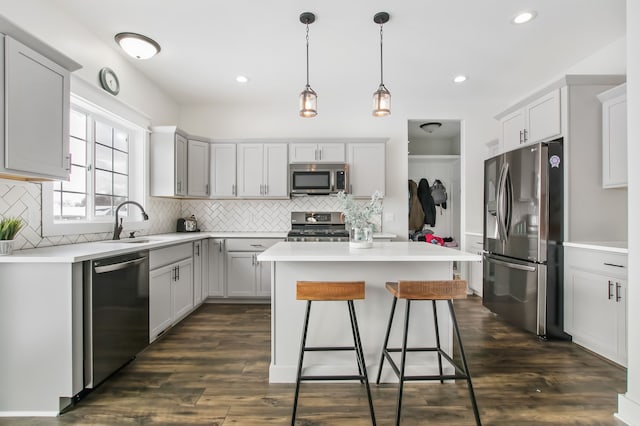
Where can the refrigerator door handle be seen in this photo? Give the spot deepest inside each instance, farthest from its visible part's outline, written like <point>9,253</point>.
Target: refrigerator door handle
<point>512,265</point>
<point>502,232</point>
<point>508,189</point>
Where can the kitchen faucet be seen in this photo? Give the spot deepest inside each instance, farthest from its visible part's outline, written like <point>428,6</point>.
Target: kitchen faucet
<point>118,228</point>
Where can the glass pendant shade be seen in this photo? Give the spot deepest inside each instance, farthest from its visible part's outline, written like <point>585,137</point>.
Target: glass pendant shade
<point>308,102</point>
<point>381,102</point>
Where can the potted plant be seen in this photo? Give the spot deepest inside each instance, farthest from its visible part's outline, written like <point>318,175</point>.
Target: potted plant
<point>9,227</point>
<point>358,217</point>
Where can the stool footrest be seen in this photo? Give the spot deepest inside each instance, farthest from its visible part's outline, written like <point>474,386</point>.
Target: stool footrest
<point>460,372</point>
<point>329,348</point>
<point>342,377</point>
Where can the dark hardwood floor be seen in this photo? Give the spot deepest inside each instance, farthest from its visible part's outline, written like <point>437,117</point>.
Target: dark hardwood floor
<point>213,369</point>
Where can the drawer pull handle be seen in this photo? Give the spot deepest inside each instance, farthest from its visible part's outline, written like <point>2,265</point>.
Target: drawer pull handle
<point>618,297</point>
<point>609,295</point>
<point>614,265</point>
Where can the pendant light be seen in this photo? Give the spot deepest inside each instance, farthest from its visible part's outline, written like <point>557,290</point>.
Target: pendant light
<point>382,96</point>
<point>308,97</point>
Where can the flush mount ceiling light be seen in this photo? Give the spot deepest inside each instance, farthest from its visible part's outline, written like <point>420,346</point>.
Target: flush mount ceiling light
<point>524,17</point>
<point>459,78</point>
<point>242,79</point>
<point>308,97</point>
<point>431,126</point>
<point>137,45</point>
<point>382,96</point>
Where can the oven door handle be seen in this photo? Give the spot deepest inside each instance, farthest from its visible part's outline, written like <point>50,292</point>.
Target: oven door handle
<point>118,266</point>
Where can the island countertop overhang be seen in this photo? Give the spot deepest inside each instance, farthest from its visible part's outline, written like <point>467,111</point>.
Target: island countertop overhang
<point>394,251</point>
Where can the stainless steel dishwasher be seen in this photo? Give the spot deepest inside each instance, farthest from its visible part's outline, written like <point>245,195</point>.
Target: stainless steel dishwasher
<point>116,313</point>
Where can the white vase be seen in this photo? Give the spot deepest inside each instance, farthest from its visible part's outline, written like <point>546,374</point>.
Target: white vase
<point>361,237</point>
<point>6,247</point>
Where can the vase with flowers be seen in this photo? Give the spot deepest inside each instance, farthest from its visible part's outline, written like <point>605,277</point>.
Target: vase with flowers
<point>357,217</point>
<point>9,227</point>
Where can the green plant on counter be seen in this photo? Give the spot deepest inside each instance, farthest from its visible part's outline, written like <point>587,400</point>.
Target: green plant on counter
<point>9,227</point>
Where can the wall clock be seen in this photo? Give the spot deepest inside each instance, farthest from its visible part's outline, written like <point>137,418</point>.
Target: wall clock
<point>109,81</point>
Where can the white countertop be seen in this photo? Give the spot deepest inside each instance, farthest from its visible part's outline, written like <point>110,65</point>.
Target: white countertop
<point>399,251</point>
<point>610,246</point>
<point>71,253</point>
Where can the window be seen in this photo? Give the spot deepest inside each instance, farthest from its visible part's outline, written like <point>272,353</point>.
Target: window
<point>105,153</point>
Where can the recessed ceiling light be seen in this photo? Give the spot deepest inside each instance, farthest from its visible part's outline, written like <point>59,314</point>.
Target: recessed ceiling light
<point>524,17</point>
<point>459,78</point>
<point>242,79</point>
<point>137,45</point>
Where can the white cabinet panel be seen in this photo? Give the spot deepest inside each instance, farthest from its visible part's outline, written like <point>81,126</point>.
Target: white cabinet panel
<point>241,274</point>
<point>614,137</point>
<point>316,153</point>
<point>595,292</point>
<point>181,165</point>
<point>366,168</point>
<point>223,170</point>
<point>262,170</point>
<point>198,169</point>
<point>160,318</point>
<point>182,291</point>
<point>216,268</point>
<point>36,113</point>
<point>512,127</point>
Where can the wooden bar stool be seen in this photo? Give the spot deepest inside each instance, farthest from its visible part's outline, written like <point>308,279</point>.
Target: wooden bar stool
<point>426,290</point>
<point>332,291</point>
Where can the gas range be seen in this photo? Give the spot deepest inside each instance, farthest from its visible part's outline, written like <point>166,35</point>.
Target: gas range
<point>317,226</point>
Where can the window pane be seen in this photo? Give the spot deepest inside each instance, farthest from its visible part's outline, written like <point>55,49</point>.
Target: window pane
<point>77,181</point>
<point>104,205</point>
<point>120,185</point>
<point>121,140</point>
<point>104,157</point>
<point>78,151</point>
<point>57,204</point>
<point>74,206</point>
<point>78,125</point>
<point>103,182</point>
<point>104,134</point>
<point>124,210</point>
<point>120,160</point>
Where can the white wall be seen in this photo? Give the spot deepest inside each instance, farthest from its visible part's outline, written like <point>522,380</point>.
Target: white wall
<point>45,20</point>
<point>629,403</point>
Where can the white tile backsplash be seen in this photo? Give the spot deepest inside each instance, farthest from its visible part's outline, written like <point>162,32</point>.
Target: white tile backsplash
<point>24,199</point>
<point>256,215</point>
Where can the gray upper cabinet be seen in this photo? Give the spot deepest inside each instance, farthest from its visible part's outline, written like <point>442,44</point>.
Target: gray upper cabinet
<point>35,111</point>
<point>179,164</point>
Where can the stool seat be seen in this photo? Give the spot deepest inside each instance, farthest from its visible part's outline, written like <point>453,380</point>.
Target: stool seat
<point>428,290</point>
<point>329,290</point>
<point>332,291</point>
<point>443,290</point>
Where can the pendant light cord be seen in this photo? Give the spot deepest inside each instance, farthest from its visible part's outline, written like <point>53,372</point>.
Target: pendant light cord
<point>307,55</point>
<point>381,83</point>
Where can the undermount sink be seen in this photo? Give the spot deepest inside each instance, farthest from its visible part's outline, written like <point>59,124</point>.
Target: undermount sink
<point>131,241</point>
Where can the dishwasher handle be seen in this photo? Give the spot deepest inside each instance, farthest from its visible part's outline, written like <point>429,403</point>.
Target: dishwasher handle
<point>118,266</point>
<point>511,264</point>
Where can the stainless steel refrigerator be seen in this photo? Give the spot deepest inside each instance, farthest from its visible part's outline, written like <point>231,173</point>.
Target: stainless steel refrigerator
<point>523,232</point>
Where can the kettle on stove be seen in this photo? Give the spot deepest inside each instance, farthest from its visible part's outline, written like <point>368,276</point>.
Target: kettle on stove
<point>187,224</point>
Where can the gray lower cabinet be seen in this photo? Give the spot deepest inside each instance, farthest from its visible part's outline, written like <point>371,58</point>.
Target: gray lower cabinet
<point>170,287</point>
<point>200,271</point>
<point>216,267</point>
<point>246,277</point>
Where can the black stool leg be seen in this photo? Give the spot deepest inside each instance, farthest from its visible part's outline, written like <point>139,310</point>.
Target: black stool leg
<point>386,339</point>
<point>300,359</point>
<point>360,355</point>
<point>464,363</point>
<point>435,322</point>
<point>402,363</point>
<point>353,331</point>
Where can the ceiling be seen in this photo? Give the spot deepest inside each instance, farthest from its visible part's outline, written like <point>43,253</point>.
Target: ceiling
<point>206,43</point>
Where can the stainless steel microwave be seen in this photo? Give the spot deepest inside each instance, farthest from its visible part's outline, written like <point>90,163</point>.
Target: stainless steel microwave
<point>318,178</point>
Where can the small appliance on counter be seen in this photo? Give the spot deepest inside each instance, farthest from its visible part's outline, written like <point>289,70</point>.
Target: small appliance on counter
<point>187,224</point>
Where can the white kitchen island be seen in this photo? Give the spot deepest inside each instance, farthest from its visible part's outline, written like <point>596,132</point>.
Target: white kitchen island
<point>329,322</point>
